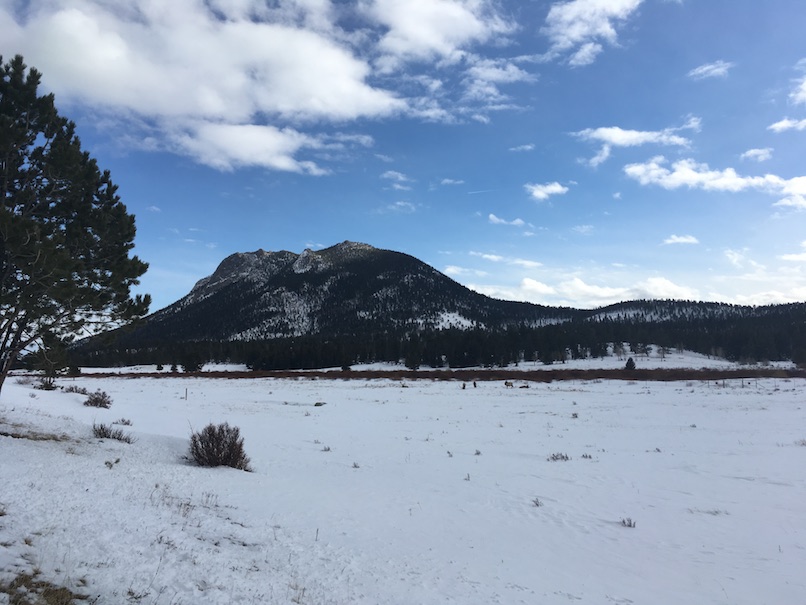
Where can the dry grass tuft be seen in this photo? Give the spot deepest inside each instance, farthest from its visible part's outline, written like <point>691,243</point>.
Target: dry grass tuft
<point>28,589</point>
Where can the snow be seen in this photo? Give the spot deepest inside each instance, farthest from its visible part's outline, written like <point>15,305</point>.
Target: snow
<point>712,474</point>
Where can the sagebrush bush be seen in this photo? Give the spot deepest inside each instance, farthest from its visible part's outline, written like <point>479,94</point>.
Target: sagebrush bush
<point>220,445</point>
<point>74,389</point>
<point>99,399</point>
<point>103,431</point>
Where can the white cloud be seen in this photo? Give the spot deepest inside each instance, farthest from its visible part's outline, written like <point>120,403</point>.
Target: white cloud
<point>652,288</point>
<point>583,229</point>
<point>615,136</point>
<point>182,60</point>
<point>798,95</point>
<point>499,221</point>
<point>798,202</point>
<point>420,30</point>
<point>576,289</point>
<point>495,258</point>
<point>717,69</point>
<point>532,286</point>
<point>526,264</point>
<point>209,69</point>
<point>518,262</point>
<point>544,191</point>
<point>394,175</point>
<point>401,207</point>
<point>787,124</point>
<point>694,175</point>
<point>740,260</point>
<point>681,239</point>
<point>527,147</point>
<point>580,27</point>
<point>759,155</point>
<point>484,76</point>
<point>230,146</point>
<point>800,257</point>
<point>459,271</point>
<point>451,182</point>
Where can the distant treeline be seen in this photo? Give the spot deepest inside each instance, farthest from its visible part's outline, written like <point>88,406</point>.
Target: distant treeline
<point>773,336</point>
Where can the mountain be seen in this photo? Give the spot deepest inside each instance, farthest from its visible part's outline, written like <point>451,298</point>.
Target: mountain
<point>350,288</point>
<point>353,302</point>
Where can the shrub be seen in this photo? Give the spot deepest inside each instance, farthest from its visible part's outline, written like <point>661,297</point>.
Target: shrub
<point>99,399</point>
<point>103,431</point>
<point>220,445</point>
<point>74,389</point>
<point>630,364</point>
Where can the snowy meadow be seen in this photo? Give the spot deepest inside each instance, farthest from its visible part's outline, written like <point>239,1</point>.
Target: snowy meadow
<point>427,492</point>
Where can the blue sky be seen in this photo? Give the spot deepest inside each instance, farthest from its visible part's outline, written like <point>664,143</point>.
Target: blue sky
<point>564,153</point>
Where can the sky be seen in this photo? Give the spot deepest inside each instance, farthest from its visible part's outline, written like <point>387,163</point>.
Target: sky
<point>574,153</point>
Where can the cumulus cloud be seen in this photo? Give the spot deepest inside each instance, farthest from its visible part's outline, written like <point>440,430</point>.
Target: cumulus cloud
<point>694,175</point>
<point>651,288</point>
<point>526,147</point>
<point>787,124</point>
<point>759,155</point>
<point>229,146</point>
<point>421,30</point>
<point>543,191</point>
<point>199,72</point>
<point>499,221</point>
<point>615,136</point>
<point>681,239</point>
<point>717,69</point>
<point>534,287</point>
<point>451,182</point>
<point>578,29</point>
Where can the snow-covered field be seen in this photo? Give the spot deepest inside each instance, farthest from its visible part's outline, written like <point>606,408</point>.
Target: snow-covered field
<point>429,493</point>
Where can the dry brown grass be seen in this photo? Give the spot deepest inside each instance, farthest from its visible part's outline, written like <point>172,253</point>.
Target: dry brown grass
<point>29,589</point>
<point>32,435</point>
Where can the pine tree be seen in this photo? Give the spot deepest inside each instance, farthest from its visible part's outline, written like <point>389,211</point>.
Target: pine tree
<point>65,236</point>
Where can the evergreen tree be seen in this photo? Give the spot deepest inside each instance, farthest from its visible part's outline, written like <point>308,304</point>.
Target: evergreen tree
<point>65,236</point>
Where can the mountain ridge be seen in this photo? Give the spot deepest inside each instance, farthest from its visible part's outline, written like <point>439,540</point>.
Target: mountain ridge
<point>354,301</point>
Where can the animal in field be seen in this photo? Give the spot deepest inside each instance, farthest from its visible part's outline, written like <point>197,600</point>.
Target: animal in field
<point>508,384</point>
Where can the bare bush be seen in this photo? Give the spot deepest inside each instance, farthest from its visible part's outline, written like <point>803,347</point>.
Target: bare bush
<point>220,445</point>
<point>99,399</point>
<point>104,431</point>
<point>75,389</point>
